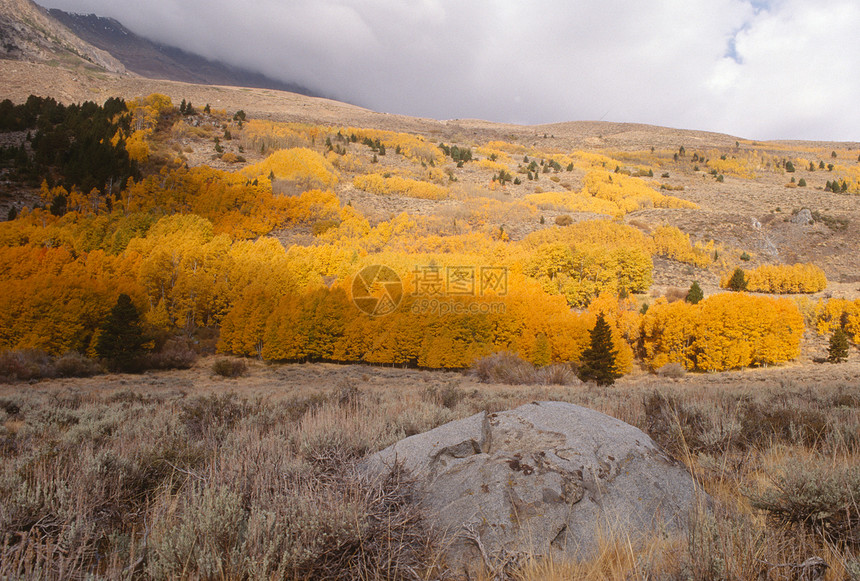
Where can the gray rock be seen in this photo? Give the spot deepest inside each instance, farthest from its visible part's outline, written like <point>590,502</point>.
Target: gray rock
<point>545,478</point>
<point>804,217</point>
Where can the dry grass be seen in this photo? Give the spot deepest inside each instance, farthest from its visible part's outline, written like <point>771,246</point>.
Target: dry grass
<point>187,474</point>
<point>510,369</point>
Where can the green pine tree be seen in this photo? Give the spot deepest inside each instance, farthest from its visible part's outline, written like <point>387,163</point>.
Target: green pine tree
<point>838,351</point>
<point>695,294</point>
<point>598,361</point>
<point>121,340</point>
<point>738,282</point>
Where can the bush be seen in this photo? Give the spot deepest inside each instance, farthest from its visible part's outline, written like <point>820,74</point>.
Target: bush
<point>563,220</point>
<point>504,367</point>
<point>672,370</point>
<point>558,374</point>
<point>73,364</point>
<point>511,369</point>
<point>177,353</point>
<point>25,364</point>
<point>675,293</point>
<point>818,495</point>
<point>212,416</point>
<point>230,367</point>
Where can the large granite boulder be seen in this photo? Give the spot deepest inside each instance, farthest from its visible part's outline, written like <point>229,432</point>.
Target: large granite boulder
<point>543,479</point>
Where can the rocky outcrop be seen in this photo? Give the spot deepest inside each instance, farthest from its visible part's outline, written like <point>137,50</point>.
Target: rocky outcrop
<point>545,478</point>
<point>29,33</point>
<point>803,218</point>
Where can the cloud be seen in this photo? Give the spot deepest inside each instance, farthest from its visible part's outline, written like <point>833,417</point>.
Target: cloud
<point>753,68</point>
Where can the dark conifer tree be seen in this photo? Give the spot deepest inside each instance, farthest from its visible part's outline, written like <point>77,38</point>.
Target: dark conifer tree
<point>738,282</point>
<point>598,361</point>
<point>121,340</point>
<point>695,294</point>
<point>838,350</point>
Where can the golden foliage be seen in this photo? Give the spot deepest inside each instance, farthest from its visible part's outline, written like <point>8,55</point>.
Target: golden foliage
<point>737,330</point>
<point>782,279</point>
<point>379,184</point>
<point>234,204</point>
<point>724,331</point>
<point>262,136</point>
<point>628,193</point>
<point>741,166</point>
<point>505,147</point>
<point>831,314</point>
<point>179,241</point>
<point>137,147</point>
<point>494,166</point>
<point>299,164</point>
<point>670,242</point>
<point>450,333</point>
<point>573,202</point>
<point>413,147</point>
<point>584,260</point>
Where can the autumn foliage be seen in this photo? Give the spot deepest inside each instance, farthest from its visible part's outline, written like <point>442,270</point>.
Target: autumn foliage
<point>832,314</point>
<point>724,331</point>
<point>782,279</point>
<point>388,185</point>
<point>192,248</point>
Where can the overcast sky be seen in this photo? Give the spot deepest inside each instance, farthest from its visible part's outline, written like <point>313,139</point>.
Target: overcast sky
<point>761,69</point>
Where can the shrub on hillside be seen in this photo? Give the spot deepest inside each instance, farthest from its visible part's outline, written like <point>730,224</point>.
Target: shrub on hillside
<point>504,367</point>
<point>673,370</point>
<point>230,367</point>
<point>177,353</point>
<point>73,364</point>
<point>817,495</point>
<point>25,364</point>
<point>511,369</point>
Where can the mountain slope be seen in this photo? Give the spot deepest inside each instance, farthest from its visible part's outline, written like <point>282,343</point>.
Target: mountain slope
<point>28,33</point>
<point>157,61</point>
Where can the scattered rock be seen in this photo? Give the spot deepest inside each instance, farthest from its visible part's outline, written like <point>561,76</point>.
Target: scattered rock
<point>803,217</point>
<point>545,478</point>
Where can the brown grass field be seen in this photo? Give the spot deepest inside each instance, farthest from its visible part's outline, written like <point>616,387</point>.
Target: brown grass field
<point>188,474</point>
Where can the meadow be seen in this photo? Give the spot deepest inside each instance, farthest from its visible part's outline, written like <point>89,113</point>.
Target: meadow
<point>191,474</point>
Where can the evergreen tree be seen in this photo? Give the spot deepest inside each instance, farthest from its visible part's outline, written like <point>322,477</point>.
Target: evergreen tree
<point>59,205</point>
<point>695,294</point>
<point>738,282</point>
<point>121,341</point>
<point>838,350</point>
<point>598,361</point>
